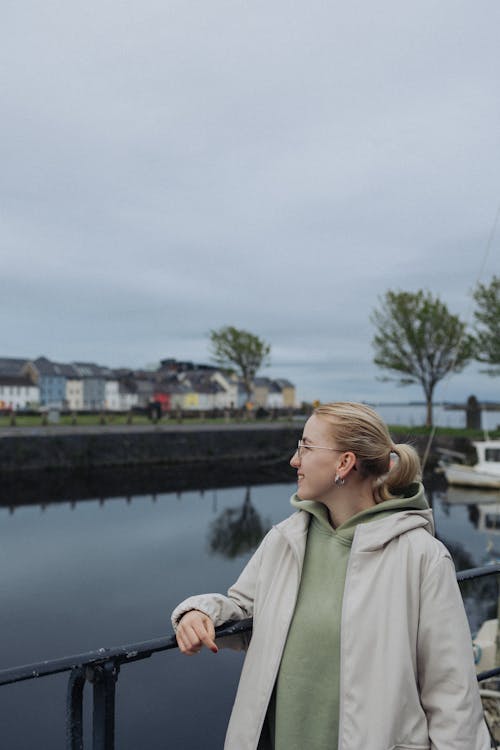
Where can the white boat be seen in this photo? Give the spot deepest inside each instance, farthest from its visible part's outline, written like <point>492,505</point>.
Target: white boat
<point>484,473</point>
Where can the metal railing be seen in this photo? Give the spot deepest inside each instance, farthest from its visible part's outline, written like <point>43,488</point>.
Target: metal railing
<point>101,669</point>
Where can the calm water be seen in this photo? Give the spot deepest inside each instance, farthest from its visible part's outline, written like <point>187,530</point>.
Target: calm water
<point>95,573</point>
<point>414,415</point>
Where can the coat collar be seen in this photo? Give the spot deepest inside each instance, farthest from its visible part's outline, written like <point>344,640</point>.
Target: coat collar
<point>369,536</point>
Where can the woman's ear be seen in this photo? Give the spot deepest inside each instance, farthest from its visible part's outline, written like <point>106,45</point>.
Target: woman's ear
<point>347,463</point>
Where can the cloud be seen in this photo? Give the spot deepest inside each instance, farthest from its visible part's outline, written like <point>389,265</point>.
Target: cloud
<point>172,167</point>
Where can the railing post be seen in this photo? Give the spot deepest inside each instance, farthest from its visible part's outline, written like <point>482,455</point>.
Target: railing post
<point>497,650</point>
<point>74,701</point>
<point>104,679</point>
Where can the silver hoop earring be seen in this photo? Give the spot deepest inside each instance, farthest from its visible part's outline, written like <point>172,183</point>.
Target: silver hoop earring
<point>339,481</point>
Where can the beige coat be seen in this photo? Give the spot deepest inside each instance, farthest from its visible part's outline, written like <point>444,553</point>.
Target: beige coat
<point>407,672</point>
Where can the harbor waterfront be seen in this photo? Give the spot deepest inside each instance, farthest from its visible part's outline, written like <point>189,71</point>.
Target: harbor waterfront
<point>168,443</point>
<point>84,571</point>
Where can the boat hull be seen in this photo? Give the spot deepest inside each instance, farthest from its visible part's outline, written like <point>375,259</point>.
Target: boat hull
<point>468,476</point>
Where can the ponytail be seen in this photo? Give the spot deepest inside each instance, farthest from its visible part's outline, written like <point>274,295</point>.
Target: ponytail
<point>405,470</point>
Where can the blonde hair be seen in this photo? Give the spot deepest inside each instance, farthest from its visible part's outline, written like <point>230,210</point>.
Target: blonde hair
<point>359,429</point>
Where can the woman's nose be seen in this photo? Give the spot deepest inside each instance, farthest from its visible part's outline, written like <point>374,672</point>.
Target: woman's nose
<point>295,460</point>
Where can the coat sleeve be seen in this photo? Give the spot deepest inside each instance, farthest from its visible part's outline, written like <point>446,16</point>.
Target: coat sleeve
<point>239,602</point>
<point>447,679</point>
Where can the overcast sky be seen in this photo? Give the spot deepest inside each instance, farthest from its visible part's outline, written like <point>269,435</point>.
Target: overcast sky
<point>172,166</point>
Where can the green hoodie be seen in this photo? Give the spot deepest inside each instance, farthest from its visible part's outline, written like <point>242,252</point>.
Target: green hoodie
<point>304,708</point>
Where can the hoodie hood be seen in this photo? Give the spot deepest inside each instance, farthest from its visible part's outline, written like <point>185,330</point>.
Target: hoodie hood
<point>377,525</point>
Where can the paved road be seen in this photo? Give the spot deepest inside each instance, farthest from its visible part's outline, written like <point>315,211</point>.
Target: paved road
<point>144,428</point>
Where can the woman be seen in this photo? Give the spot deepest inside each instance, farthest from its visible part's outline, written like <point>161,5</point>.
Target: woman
<point>360,639</point>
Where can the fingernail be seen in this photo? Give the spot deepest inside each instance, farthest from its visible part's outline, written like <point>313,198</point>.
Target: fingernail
<point>214,650</point>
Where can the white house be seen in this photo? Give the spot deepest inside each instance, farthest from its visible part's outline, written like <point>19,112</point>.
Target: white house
<point>235,396</point>
<point>112,400</point>
<point>18,392</point>
<point>74,394</point>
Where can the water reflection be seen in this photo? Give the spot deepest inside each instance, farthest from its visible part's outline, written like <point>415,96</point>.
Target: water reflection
<point>469,495</point>
<point>46,487</point>
<point>79,571</point>
<point>80,574</point>
<point>483,513</point>
<point>237,530</point>
<point>468,523</point>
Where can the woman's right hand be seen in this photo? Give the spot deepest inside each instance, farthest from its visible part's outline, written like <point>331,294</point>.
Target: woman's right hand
<point>195,629</point>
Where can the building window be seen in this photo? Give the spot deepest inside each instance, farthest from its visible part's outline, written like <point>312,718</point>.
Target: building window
<point>492,454</point>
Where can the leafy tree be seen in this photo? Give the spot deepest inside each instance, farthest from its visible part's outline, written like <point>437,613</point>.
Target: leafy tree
<point>487,328</point>
<point>419,341</point>
<point>232,347</point>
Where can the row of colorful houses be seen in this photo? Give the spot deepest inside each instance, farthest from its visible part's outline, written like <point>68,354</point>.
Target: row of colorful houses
<point>85,386</point>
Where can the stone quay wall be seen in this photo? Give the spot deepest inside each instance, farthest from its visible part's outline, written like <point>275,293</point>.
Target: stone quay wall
<point>83,449</point>
<point>106,446</point>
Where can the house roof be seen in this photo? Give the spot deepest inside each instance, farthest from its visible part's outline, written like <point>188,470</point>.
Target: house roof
<point>87,369</point>
<point>12,365</point>
<point>122,372</point>
<point>201,381</point>
<point>68,371</point>
<point>283,383</point>
<point>173,365</point>
<point>73,370</point>
<point>48,368</point>
<point>91,370</point>
<point>262,382</point>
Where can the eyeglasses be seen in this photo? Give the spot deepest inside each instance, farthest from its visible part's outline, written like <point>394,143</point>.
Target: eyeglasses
<point>301,446</point>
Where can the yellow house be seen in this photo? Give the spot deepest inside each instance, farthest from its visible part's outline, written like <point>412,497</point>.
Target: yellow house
<point>288,392</point>
<point>191,400</point>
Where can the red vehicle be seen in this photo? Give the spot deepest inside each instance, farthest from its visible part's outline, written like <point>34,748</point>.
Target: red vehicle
<point>163,399</point>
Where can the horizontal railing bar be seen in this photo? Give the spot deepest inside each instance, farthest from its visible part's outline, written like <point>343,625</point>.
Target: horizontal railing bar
<point>486,570</point>
<point>119,655</point>
<point>144,649</point>
<point>488,674</point>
